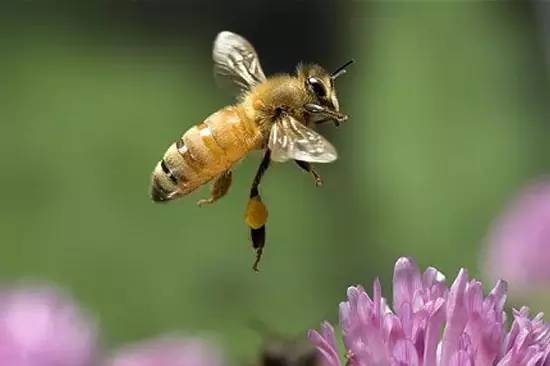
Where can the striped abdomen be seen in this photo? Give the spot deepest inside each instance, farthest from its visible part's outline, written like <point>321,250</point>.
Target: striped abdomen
<point>204,152</point>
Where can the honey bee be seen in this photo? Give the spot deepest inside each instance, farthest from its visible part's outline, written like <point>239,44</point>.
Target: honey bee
<point>283,350</point>
<point>289,352</point>
<point>274,114</point>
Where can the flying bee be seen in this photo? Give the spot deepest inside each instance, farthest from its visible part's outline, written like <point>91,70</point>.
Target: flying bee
<point>284,350</point>
<point>274,114</point>
<point>289,352</point>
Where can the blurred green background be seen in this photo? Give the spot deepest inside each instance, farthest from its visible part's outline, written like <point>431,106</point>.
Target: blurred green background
<point>449,119</point>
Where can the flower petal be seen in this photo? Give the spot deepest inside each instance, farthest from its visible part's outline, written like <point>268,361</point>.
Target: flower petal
<point>433,330</point>
<point>168,350</point>
<point>457,317</point>
<point>325,343</point>
<point>406,280</point>
<point>404,353</point>
<point>41,326</point>
<point>461,358</point>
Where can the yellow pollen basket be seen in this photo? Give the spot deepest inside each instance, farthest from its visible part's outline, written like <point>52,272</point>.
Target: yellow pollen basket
<point>256,213</point>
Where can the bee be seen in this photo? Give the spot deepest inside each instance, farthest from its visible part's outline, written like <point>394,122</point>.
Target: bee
<point>283,350</point>
<point>274,114</point>
<point>289,352</point>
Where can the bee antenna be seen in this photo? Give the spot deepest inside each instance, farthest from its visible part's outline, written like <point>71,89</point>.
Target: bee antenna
<point>341,70</point>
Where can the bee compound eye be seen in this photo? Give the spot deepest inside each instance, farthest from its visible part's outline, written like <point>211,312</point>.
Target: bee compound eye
<point>317,87</point>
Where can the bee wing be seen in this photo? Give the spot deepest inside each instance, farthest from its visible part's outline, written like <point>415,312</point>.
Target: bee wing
<point>236,60</point>
<point>290,139</point>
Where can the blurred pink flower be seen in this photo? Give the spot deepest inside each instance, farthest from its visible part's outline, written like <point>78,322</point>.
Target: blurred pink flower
<point>168,351</point>
<point>432,325</point>
<point>519,241</point>
<point>40,326</point>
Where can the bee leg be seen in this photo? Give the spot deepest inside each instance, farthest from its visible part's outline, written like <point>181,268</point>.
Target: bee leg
<point>258,242</point>
<point>309,168</point>
<point>334,115</point>
<point>219,188</point>
<point>256,212</point>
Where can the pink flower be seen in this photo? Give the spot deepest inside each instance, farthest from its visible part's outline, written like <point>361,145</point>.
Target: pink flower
<point>168,351</point>
<point>431,325</point>
<point>42,327</point>
<point>519,241</point>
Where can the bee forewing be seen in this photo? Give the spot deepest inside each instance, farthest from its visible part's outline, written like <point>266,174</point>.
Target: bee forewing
<point>290,139</point>
<point>236,60</point>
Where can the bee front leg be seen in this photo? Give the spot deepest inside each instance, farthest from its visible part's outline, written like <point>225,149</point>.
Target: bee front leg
<point>309,168</point>
<point>256,211</point>
<point>219,188</point>
<point>326,113</point>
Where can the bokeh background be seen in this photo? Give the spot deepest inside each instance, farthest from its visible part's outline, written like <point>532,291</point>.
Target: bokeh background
<point>449,105</point>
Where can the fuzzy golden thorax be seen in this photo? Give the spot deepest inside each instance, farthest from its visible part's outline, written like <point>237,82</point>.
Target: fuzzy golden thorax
<point>289,93</point>
<point>279,93</point>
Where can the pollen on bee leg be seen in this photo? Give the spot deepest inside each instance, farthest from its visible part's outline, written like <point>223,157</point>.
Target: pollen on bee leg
<point>256,213</point>
<point>255,218</point>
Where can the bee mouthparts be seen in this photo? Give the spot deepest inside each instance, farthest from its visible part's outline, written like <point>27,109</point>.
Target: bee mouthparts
<point>343,117</point>
<point>339,116</point>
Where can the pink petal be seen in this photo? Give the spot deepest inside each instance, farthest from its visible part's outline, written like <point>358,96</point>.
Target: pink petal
<point>40,326</point>
<point>461,358</point>
<point>325,343</point>
<point>404,353</point>
<point>456,317</point>
<point>406,280</point>
<point>377,299</point>
<point>168,351</point>
<point>393,329</point>
<point>499,294</point>
<point>433,330</point>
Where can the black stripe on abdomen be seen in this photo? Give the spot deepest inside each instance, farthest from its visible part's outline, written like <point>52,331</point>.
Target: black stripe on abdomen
<point>168,172</point>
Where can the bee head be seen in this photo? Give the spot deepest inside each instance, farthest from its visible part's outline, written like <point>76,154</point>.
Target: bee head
<point>319,83</point>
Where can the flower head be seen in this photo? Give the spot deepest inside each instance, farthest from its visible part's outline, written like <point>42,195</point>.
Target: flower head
<point>40,326</point>
<point>519,240</point>
<point>432,325</point>
<point>168,351</point>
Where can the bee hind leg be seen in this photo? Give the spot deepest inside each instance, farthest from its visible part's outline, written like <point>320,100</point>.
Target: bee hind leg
<point>309,168</point>
<point>256,212</point>
<point>219,188</point>
<point>258,242</point>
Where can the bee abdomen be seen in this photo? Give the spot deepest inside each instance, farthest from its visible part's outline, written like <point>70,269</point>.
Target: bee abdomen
<point>177,174</point>
<point>161,191</point>
<point>204,152</point>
